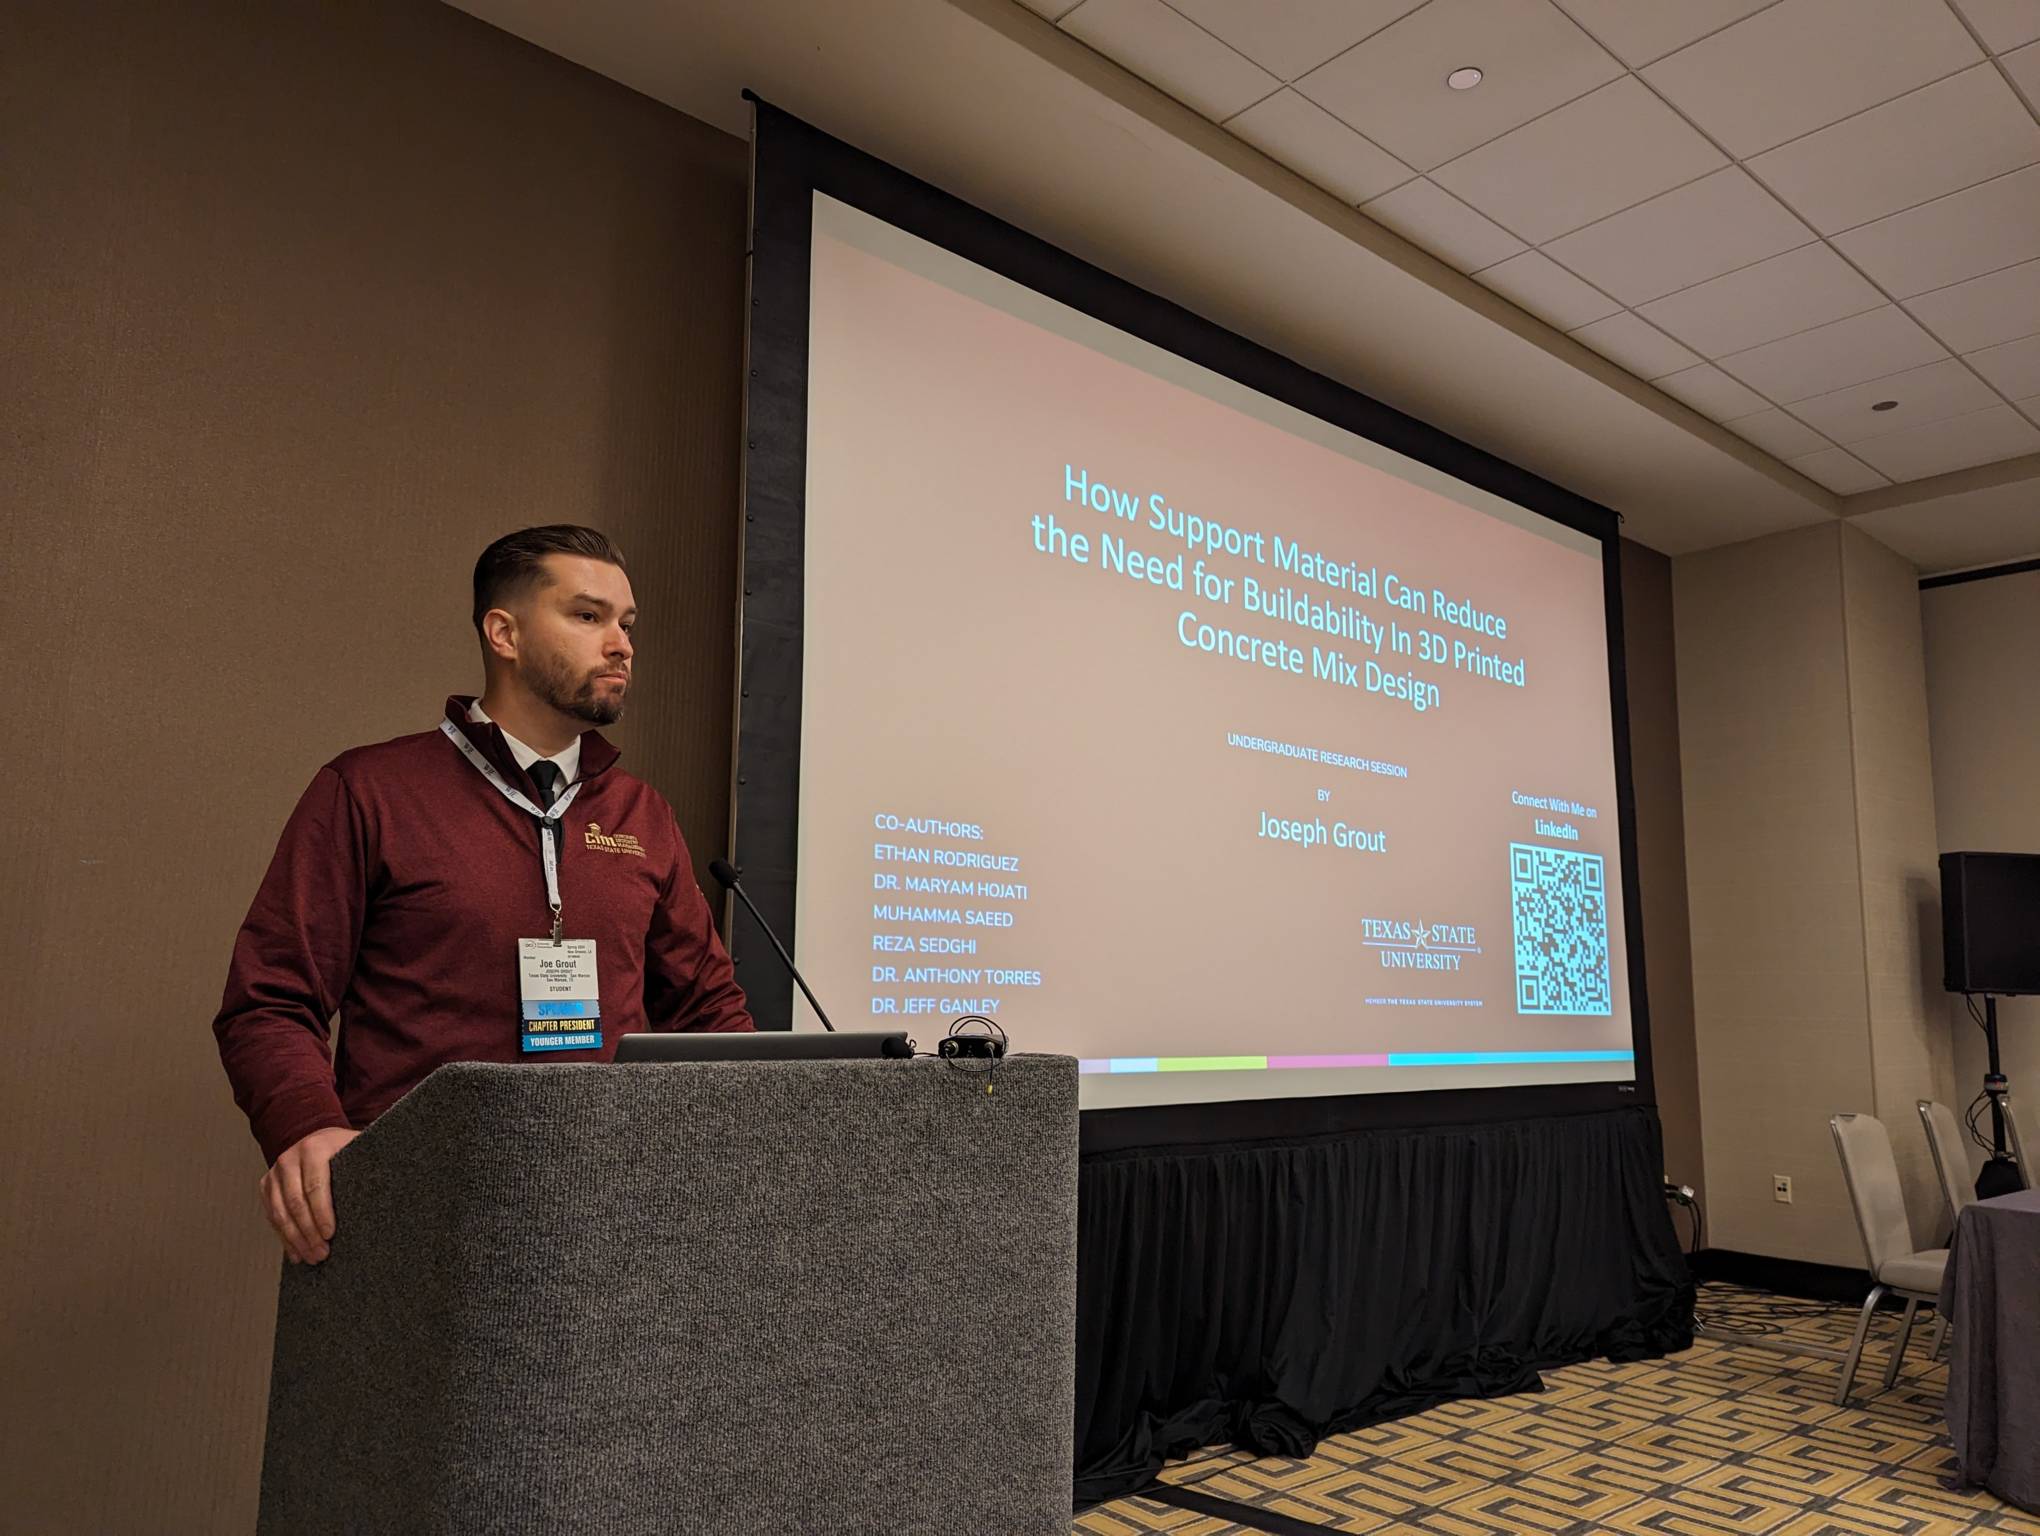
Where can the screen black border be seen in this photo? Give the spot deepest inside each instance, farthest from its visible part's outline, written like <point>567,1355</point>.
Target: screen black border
<point>790,162</point>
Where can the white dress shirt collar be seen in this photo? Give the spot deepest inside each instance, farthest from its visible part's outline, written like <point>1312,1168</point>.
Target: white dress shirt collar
<point>568,761</point>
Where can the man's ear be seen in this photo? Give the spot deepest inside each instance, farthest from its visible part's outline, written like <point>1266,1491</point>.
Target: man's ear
<point>499,633</point>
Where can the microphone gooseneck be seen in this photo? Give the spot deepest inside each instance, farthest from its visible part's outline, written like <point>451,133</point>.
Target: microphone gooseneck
<point>728,876</point>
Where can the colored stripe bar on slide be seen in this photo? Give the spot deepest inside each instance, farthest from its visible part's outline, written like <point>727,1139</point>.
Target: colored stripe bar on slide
<point>1499,1058</point>
<point>1366,1059</point>
<point>1176,1064</point>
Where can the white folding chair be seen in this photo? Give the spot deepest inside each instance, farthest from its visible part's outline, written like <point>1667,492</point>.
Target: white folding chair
<point>1951,1163</point>
<point>1896,1267</point>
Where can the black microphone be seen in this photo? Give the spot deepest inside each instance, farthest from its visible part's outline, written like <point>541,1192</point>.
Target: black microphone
<point>726,874</point>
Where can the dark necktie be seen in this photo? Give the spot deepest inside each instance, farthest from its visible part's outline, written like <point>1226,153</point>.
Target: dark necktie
<point>546,775</point>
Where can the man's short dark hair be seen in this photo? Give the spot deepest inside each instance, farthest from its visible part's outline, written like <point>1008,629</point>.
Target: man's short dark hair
<point>516,562</point>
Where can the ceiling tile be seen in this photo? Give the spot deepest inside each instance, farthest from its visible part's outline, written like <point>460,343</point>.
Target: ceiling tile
<point>1803,64</point>
<point>2024,68</point>
<point>1637,31</point>
<point>1839,470</point>
<point>1426,213</point>
<point>1834,356</point>
<point>1932,393</point>
<point>1982,437</point>
<point>1779,435</point>
<point>1712,393</point>
<point>2002,24</point>
<point>1535,282</point>
<point>2014,367</point>
<point>1985,310</point>
<point>1317,146</point>
<point>1960,530</point>
<point>2030,405</point>
<point>1292,37</point>
<point>1172,53</point>
<point>1789,293</point>
<point>1961,236</point>
<point>1939,139</point>
<point>1636,345</point>
<point>1053,9</point>
<point>1715,225</point>
<point>1392,87</point>
<point>1590,158</point>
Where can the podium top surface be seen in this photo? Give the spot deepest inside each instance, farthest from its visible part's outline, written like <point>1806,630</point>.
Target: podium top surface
<point>826,1115</point>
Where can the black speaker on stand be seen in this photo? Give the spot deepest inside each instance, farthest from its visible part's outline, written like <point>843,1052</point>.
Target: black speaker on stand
<point>1990,944</point>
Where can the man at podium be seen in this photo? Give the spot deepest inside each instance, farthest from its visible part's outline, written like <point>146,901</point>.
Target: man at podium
<point>492,889</point>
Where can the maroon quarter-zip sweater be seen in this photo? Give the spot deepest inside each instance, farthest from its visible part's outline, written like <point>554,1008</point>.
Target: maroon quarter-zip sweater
<point>398,893</point>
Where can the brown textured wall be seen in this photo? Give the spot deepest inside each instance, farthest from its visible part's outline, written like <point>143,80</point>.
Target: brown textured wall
<point>302,303</point>
<point>1661,856</point>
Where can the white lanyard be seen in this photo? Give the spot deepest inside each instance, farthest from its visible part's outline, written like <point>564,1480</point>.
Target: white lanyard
<point>548,836</point>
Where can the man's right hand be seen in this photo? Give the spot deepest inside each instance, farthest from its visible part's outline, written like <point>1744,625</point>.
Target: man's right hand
<point>297,1194</point>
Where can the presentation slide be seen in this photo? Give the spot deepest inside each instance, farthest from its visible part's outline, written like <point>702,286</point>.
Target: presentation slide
<point>1176,729</point>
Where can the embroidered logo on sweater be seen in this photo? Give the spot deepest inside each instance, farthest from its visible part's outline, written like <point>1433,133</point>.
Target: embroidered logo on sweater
<point>611,842</point>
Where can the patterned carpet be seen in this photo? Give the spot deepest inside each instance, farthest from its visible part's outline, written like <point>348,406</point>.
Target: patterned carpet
<point>1723,1440</point>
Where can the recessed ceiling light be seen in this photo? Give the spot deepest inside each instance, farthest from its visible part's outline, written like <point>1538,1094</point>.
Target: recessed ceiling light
<point>1464,79</point>
<point>1885,405</point>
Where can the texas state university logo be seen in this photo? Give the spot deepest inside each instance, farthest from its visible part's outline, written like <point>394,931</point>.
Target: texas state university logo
<point>611,842</point>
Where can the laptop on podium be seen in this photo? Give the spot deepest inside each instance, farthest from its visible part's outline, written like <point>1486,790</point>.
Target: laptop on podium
<point>767,1045</point>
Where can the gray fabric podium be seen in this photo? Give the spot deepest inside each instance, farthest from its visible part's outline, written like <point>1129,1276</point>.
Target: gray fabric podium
<point>789,1298</point>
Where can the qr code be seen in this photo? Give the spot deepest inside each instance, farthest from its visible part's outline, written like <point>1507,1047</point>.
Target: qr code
<point>1560,901</point>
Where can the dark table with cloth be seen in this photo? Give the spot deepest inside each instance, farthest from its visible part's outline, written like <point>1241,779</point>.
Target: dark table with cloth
<point>1991,1298</point>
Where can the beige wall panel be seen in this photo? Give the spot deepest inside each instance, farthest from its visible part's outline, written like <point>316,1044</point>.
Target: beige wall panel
<point>1779,1010</point>
<point>1810,824</point>
<point>1911,1049</point>
<point>1982,639</point>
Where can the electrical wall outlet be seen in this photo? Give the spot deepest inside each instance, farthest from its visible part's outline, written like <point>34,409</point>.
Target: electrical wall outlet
<point>1781,1188</point>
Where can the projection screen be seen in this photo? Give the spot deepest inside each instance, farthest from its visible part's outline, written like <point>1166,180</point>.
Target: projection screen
<point>1176,728</point>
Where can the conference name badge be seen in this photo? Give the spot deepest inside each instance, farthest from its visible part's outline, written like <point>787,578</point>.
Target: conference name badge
<point>562,999</point>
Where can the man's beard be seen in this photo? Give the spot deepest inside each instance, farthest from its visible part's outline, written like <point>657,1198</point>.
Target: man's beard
<point>555,683</point>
